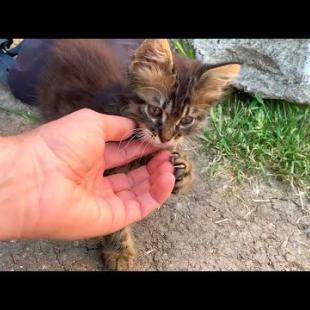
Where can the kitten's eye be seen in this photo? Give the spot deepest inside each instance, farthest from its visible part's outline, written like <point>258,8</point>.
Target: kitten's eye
<point>186,121</point>
<point>153,111</point>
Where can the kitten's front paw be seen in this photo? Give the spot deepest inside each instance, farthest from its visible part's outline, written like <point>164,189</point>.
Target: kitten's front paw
<point>182,172</point>
<point>122,260</point>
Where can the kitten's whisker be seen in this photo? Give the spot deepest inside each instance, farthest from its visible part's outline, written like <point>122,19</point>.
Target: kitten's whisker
<point>142,143</point>
<point>139,133</point>
<point>130,140</point>
<point>146,138</point>
<point>143,133</point>
<point>133,131</point>
<point>145,147</point>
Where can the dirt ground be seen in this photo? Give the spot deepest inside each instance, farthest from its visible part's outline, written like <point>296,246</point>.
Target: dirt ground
<point>217,225</point>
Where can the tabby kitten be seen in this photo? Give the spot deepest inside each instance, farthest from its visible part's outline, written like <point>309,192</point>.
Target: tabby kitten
<point>166,94</point>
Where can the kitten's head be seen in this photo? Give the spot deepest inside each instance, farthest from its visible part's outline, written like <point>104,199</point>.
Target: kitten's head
<point>174,92</point>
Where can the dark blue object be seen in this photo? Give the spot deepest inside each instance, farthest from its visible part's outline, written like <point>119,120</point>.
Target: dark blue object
<point>6,60</point>
<point>23,74</point>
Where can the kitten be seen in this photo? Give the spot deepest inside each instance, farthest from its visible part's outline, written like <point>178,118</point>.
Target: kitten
<point>167,95</point>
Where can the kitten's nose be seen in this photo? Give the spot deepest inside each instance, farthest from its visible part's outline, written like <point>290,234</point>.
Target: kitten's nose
<point>165,133</point>
<point>165,138</point>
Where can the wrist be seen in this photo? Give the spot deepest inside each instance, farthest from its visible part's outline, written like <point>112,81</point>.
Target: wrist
<point>16,186</point>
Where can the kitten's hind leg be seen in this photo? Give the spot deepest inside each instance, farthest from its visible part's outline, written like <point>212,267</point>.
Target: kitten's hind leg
<point>119,253</point>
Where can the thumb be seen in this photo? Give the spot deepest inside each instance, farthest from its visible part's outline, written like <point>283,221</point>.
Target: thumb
<point>117,128</point>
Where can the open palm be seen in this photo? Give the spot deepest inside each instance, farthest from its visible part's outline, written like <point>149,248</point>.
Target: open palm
<point>75,200</point>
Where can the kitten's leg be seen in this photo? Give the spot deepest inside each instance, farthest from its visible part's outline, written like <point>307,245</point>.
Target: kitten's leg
<point>119,252</point>
<point>182,171</point>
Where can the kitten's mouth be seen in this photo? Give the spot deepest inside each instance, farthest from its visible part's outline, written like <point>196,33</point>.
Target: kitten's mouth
<point>154,139</point>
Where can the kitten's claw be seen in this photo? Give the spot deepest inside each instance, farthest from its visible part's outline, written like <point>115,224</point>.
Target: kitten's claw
<point>174,156</point>
<point>182,172</point>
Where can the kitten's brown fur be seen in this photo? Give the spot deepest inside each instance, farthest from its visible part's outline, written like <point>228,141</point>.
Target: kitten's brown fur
<point>88,73</point>
<point>74,74</point>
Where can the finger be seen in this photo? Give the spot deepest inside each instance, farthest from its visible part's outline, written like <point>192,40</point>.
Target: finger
<point>120,154</point>
<point>117,128</point>
<point>145,184</point>
<point>123,181</point>
<point>126,195</point>
<point>164,167</point>
<point>139,206</point>
<point>158,160</point>
<point>161,188</point>
<point>139,185</point>
<point>120,182</point>
<point>158,193</point>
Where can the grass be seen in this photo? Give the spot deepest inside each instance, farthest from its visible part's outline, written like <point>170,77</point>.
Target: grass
<point>255,136</point>
<point>26,115</point>
<point>251,136</point>
<point>184,47</point>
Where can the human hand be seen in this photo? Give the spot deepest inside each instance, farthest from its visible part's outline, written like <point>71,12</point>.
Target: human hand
<point>62,193</point>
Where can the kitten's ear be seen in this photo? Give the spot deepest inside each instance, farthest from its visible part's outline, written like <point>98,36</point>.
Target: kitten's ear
<point>151,69</point>
<point>155,50</point>
<point>212,83</point>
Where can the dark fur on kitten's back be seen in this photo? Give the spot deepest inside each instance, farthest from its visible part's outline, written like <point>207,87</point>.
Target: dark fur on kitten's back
<point>167,95</point>
<point>76,73</point>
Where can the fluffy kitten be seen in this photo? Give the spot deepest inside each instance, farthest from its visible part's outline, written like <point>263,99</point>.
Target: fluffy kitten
<point>167,95</point>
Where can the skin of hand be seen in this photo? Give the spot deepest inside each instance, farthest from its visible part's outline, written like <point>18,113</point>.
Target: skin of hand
<point>52,184</point>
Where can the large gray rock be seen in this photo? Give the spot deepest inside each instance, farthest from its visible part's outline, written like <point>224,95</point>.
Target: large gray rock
<point>273,68</point>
